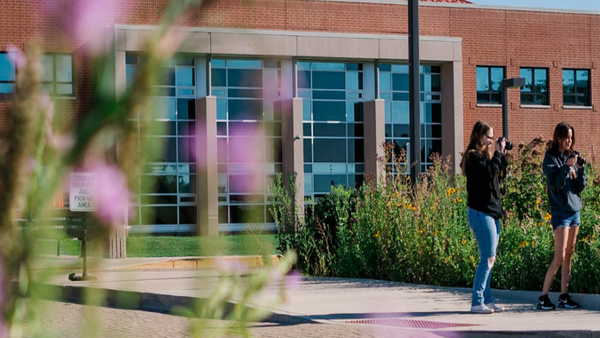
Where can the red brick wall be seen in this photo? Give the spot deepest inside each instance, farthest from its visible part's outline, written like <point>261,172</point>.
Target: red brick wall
<point>490,37</point>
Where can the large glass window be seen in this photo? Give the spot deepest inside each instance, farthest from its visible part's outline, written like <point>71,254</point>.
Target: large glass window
<point>393,82</point>
<point>489,84</point>
<point>576,87</point>
<point>332,94</point>
<point>57,78</point>
<point>248,138</point>
<point>7,74</point>
<point>535,90</point>
<point>167,195</point>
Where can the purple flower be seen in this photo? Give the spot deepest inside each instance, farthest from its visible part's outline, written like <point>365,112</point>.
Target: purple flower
<point>17,57</point>
<point>231,266</point>
<point>84,21</point>
<point>111,193</point>
<point>292,280</point>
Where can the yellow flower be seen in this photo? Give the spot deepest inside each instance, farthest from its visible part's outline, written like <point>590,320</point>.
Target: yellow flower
<point>547,217</point>
<point>397,204</point>
<point>376,234</point>
<point>454,200</point>
<point>538,224</point>
<point>584,239</point>
<point>464,241</point>
<point>515,250</point>
<point>511,255</point>
<point>420,231</point>
<point>460,200</point>
<point>533,243</point>
<point>387,204</point>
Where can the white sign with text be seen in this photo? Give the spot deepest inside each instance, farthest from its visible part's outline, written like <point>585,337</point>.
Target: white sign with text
<point>82,192</point>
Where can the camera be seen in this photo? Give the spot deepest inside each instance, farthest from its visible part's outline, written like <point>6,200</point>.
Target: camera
<point>508,145</point>
<point>580,160</point>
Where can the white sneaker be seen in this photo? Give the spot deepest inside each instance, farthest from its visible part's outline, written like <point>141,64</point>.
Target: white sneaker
<point>481,309</point>
<point>495,307</point>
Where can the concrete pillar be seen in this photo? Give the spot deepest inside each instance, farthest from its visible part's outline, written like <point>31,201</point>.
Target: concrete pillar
<point>206,160</point>
<point>374,116</point>
<point>293,146</point>
<point>452,113</point>
<point>117,238</point>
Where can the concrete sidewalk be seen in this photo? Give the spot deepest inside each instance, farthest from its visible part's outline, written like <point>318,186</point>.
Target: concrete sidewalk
<point>422,310</point>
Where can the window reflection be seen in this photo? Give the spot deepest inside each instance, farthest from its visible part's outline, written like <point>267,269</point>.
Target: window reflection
<point>397,113</point>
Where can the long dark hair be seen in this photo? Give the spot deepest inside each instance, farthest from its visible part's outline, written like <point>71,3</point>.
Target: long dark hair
<point>480,129</point>
<point>561,132</point>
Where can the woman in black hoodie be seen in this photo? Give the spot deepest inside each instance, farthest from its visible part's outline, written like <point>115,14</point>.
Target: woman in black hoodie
<point>566,180</point>
<point>482,165</point>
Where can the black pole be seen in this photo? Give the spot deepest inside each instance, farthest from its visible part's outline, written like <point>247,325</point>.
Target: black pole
<point>504,110</point>
<point>414,89</point>
<point>84,245</point>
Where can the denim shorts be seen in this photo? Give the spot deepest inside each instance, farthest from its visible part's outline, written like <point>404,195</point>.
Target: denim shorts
<point>565,219</point>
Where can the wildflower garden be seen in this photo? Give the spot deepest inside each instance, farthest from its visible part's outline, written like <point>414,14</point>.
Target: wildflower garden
<point>420,234</point>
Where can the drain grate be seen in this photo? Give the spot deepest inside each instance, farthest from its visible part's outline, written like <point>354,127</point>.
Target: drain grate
<point>408,323</point>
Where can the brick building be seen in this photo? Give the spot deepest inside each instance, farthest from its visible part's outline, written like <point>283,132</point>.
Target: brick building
<point>325,82</point>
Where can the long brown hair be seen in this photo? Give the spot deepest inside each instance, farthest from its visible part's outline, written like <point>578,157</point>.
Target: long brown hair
<point>561,132</point>
<point>480,129</point>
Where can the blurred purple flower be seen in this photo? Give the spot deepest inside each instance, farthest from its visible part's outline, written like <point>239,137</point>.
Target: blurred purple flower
<point>17,57</point>
<point>112,194</point>
<point>231,266</point>
<point>292,280</point>
<point>84,21</point>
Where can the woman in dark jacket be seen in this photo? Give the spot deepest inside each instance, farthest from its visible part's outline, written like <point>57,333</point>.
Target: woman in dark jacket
<point>482,165</point>
<point>566,180</point>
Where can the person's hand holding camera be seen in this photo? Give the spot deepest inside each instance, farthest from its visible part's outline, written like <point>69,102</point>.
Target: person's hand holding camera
<point>501,145</point>
<point>571,161</point>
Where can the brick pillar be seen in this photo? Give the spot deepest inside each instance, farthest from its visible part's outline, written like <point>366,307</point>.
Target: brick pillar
<point>206,160</point>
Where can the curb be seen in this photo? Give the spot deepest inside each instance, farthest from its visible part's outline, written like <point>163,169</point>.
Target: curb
<point>198,263</point>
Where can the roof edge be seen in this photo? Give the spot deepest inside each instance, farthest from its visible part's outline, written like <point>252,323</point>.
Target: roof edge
<point>474,6</point>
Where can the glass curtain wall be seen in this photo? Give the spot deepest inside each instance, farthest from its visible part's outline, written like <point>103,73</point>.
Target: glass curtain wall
<point>332,94</point>
<point>248,139</point>
<point>393,85</point>
<point>166,201</point>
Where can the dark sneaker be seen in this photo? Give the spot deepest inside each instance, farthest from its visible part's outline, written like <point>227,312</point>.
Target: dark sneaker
<point>565,302</point>
<point>545,304</point>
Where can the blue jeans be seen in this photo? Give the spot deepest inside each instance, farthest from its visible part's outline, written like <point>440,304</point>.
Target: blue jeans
<point>487,233</point>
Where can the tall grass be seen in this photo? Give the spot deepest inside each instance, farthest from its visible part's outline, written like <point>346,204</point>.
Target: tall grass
<point>395,231</point>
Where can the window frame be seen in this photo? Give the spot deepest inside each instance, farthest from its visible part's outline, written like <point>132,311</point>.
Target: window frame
<point>575,94</point>
<point>54,81</point>
<point>533,91</point>
<point>490,92</point>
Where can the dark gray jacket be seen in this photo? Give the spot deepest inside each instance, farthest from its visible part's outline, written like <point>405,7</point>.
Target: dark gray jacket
<point>564,191</point>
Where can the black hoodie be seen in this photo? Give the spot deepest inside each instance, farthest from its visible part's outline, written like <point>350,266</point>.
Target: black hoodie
<point>483,187</point>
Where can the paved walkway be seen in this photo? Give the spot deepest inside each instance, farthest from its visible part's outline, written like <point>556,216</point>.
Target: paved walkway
<point>338,307</point>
